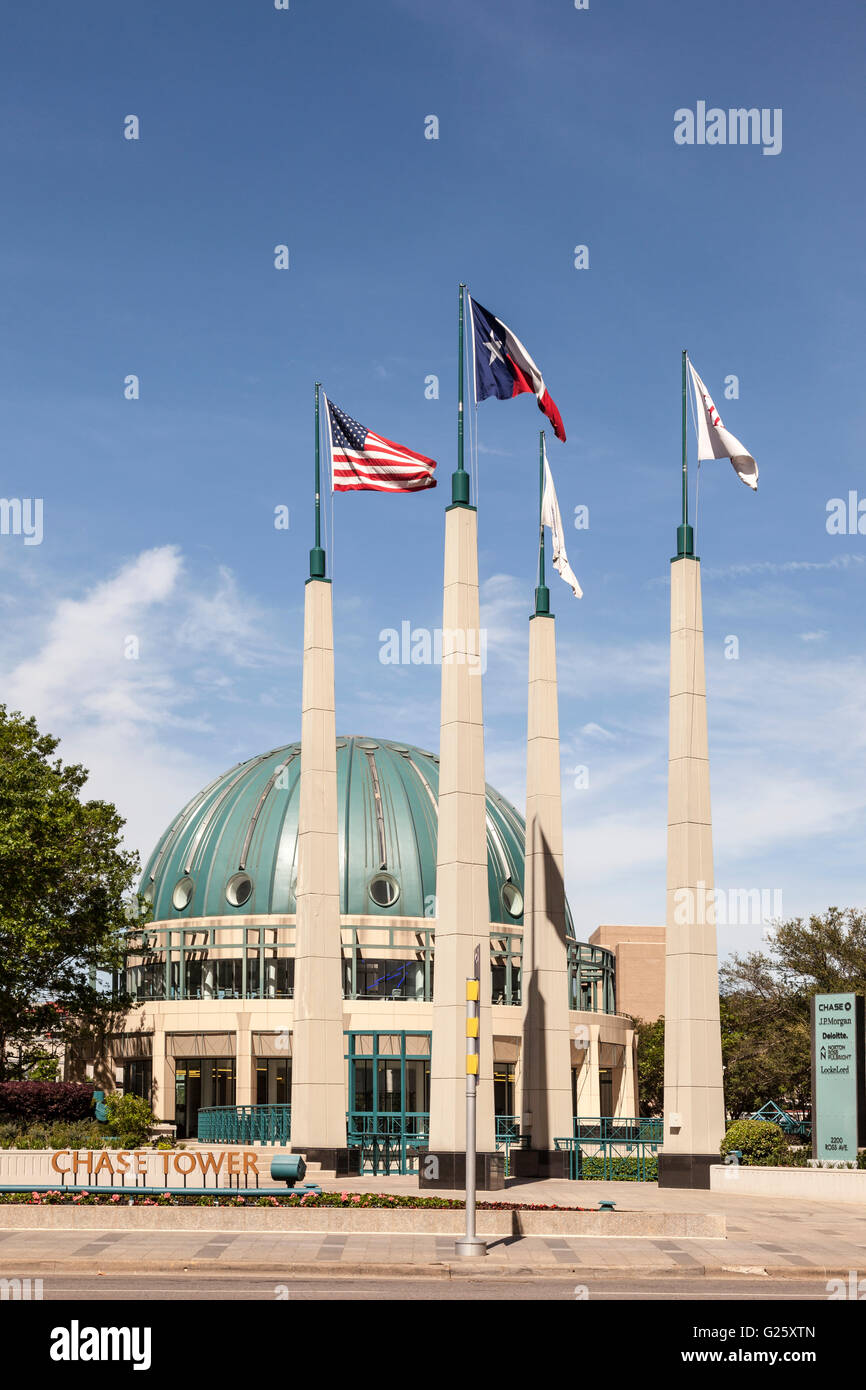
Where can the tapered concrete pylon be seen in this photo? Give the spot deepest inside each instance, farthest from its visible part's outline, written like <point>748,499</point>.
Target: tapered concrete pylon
<point>318,1066</point>
<point>694,1123</point>
<point>546,1048</point>
<point>462,905</point>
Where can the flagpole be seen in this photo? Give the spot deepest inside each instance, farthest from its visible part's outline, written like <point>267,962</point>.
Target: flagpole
<point>542,593</point>
<point>460,478</point>
<point>317,554</point>
<point>685,535</point>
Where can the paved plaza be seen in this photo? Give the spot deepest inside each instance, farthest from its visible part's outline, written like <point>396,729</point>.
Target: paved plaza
<point>765,1239</point>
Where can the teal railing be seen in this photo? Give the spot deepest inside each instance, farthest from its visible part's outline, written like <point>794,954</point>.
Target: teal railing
<point>245,1124</point>
<point>508,1137</point>
<point>388,1143</point>
<point>621,1129</point>
<point>617,1142</point>
<point>774,1113</point>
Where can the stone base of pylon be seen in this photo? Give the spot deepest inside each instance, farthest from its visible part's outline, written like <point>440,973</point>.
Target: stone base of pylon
<point>539,1163</point>
<point>686,1170</point>
<point>343,1163</point>
<point>448,1170</point>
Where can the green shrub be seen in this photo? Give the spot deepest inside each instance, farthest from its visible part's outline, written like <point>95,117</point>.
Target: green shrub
<point>44,1068</point>
<point>8,1133</point>
<point>130,1118</point>
<point>798,1158</point>
<point>618,1169</point>
<point>63,1134</point>
<point>762,1144</point>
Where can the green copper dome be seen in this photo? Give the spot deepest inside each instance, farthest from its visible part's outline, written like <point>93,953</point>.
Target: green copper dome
<point>233,848</point>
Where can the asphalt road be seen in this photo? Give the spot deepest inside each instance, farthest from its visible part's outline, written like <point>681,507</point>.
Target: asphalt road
<point>239,1288</point>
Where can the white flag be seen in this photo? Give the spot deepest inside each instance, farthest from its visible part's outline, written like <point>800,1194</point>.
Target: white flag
<point>715,442</point>
<point>550,517</point>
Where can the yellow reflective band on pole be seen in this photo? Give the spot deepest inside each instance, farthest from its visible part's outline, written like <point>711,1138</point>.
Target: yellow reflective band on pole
<point>471,989</point>
<point>471,1065</point>
<point>472,1027</point>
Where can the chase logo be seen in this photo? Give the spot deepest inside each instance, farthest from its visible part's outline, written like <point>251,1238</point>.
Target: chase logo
<point>77,1343</point>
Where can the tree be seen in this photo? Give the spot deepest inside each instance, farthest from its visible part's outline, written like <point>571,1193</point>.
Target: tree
<point>764,1008</point>
<point>766,999</point>
<point>65,883</point>
<point>651,1065</point>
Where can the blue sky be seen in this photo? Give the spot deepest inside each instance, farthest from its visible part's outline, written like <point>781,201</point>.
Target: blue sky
<point>306,127</point>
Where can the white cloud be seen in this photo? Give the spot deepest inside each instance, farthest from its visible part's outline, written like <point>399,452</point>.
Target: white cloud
<point>146,727</point>
<point>845,561</point>
<point>596,731</point>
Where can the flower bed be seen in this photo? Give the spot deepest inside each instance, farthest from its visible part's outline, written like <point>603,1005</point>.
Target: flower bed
<point>83,1197</point>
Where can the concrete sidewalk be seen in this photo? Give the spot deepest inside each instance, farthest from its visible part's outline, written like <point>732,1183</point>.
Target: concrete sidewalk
<point>765,1238</point>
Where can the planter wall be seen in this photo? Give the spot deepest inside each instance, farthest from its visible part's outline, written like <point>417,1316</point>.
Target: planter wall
<point>629,1225</point>
<point>821,1184</point>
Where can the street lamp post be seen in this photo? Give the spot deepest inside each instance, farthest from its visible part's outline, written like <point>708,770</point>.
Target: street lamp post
<point>470,1243</point>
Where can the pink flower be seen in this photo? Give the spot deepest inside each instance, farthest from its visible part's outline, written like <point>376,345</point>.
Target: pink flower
<point>344,1196</point>
<point>356,1198</point>
<point>116,1197</point>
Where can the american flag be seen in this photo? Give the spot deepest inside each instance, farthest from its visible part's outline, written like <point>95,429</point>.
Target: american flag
<point>362,460</point>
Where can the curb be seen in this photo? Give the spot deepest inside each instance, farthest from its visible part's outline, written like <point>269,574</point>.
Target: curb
<point>482,1268</point>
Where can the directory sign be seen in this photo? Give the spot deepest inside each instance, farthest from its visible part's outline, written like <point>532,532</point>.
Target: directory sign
<point>837,1075</point>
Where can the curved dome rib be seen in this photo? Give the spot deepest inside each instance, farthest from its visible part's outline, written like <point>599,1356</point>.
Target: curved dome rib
<point>246,821</point>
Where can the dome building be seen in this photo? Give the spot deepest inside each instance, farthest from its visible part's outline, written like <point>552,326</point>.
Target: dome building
<point>359,946</point>
<point>213,972</point>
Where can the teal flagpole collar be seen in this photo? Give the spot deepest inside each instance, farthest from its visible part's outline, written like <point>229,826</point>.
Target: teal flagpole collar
<point>460,478</point>
<point>542,593</point>
<point>685,534</point>
<point>317,554</point>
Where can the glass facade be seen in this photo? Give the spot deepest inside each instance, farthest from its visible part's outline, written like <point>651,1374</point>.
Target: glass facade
<point>605,1091</point>
<point>591,978</point>
<point>204,978</point>
<point>388,979</point>
<point>174,963</point>
<point>273,1080</point>
<point>504,1102</point>
<point>200,1082</point>
<point>138,1078</point>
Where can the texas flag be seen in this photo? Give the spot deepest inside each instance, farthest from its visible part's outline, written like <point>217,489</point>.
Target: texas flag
<point>503,367</point>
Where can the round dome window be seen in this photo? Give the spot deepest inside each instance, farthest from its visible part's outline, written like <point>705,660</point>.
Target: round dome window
<point>512,899</point>
<point>182,895</point>
<point>384,890</point>
<point>239,889</point>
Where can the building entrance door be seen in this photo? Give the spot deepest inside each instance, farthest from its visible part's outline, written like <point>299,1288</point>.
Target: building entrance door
<point>389,1099</point>
<point>605,1091</point>
<point>199,1083</point>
